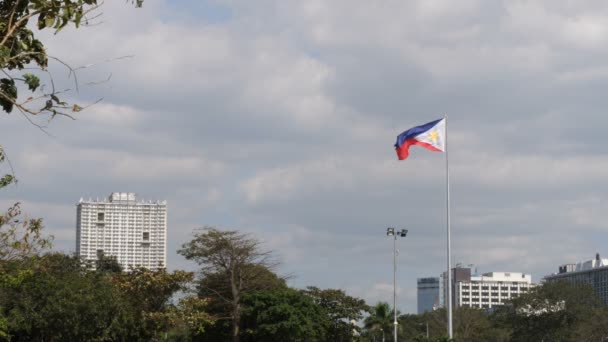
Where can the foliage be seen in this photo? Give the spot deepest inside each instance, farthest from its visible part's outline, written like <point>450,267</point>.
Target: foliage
<point>20,238</point>
<point>148,293</point>
<point>232,265</point>
<point>593,329</point>
<point>286,315</point>
<point>380,319</point>
<point>60,301</point>
<point>4,335</point>
<point>474,324</point>
<point>340,310</point>
<point>107,263</point>
<point>19,48</point>
<point>551,312</point>
<point>8,178</point>
<point>187,318</point>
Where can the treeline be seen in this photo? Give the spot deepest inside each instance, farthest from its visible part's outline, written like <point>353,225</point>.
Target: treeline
<point>238,296</point>
<point>555,311</point>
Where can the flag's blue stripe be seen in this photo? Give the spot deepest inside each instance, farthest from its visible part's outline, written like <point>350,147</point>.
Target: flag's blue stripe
<point>412,132</point>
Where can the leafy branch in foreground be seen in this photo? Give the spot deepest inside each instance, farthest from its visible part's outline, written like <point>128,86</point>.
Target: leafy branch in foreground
<point>20,50</point>
<point>21,238</point>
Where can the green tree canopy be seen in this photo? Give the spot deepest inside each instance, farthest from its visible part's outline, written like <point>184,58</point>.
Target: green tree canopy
<point>550,312</point>
<point>285,315</point>
<point>340,310</point>
<point>60,301</point>
<point>380,319</point>
<point>232,265</point>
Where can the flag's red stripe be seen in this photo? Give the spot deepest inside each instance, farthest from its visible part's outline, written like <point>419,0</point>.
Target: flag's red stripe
<point>403,150</point>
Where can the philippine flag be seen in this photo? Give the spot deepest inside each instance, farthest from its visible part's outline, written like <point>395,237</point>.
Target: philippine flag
<point>430,136</point>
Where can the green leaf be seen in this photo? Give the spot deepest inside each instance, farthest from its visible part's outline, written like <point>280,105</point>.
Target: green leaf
<point>6,180</point>
<point>8,89</point>
<point>32,81</point>
<point>49,21</point>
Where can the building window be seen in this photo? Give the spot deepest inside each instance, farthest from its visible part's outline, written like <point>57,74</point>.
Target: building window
<point>100,216</point>
<point>146,236</point>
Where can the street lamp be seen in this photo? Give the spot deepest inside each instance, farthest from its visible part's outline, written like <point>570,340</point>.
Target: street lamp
<point>394,233</point>
<point>427,328</point>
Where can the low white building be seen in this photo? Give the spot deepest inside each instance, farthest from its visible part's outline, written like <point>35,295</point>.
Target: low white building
<point>491,289</point>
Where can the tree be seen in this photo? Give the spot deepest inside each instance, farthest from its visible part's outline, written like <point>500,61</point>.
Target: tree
<point>340,309</point>
<point>414,327</point>
<point>213,287</point>
<point>286,315</point>
<point>148,294</point>
<point>593,329</point>
<point>473,324</point>
<point>550,312</point>
<point>380,319</point>
<point>232,265</point>
<point>58,300</point>
<point>187,319</point>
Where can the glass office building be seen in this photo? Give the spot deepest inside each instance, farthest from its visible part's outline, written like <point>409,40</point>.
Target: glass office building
<point>428,294</point>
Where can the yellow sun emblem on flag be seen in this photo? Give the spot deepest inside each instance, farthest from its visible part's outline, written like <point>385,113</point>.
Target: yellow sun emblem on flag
<point>433,136</point>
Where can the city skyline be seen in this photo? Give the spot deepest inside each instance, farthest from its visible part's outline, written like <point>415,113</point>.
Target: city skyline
<point>278,119</point>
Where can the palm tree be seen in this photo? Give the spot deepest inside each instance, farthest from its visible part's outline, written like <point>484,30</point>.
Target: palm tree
<point>381,319</point>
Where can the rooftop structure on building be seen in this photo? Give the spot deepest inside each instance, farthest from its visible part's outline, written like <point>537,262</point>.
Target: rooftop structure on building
<point>593,272</point>
<point>121,226</point>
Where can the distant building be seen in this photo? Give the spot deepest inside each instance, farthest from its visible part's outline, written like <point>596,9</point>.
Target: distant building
<point>135,232</point>
<point>459,274</point>
<point>487,290</point>
<point>428,294</point>
<point>593,272</point>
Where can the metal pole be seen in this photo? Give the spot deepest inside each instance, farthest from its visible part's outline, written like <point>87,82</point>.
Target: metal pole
<point>447,193</point>
<point>395,285</point>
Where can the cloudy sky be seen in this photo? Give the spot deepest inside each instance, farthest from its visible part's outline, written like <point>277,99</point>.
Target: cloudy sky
<point>278,118</point>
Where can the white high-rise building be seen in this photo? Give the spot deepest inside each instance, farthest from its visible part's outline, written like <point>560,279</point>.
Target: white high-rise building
<point>135,232</point>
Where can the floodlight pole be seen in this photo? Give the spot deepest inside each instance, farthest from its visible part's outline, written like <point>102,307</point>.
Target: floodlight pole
<point>403,233</point>
<point>395,285</point>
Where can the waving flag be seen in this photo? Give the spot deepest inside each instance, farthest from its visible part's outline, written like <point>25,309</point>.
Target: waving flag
<point>430,136</point>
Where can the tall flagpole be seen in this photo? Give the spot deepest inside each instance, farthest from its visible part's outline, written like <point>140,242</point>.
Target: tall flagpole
<point>447,193</point>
